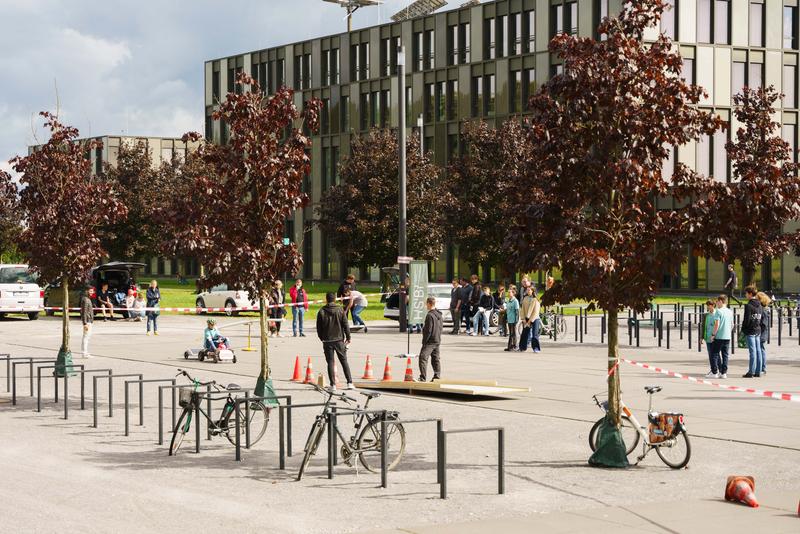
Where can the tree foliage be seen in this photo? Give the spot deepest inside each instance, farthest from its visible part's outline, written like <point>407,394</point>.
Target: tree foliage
<point>484,183</point>
<point>745,219</point>
<point>360,214</point>
<point>145,189</point>
<point>10,227</point>
<point>599,133</point>
<point>241,194</point>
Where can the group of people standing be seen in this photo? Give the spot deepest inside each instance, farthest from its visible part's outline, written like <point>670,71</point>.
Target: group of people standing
<point>755,328</point>
<point>519,309</point>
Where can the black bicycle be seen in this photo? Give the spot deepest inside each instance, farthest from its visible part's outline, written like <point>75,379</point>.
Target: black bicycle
<point>189,399</point>
<point>366,439</point>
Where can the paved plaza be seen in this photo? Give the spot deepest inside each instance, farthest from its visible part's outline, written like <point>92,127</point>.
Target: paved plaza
<point>63,475</point>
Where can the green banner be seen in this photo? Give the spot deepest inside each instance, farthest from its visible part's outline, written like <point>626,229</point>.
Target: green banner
<point>418,292</point>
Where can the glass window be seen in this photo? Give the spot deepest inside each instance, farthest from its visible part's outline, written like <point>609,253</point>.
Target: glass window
<point>755,77</point>
<point>756,24</point>
<point>363,52</point>
<point>326,158</point>
<point>452,45</point>
<point>738,77</point>
<point>572,21</point>
<point>668,19</point>
<point>441,97</point>
<point>477,96</point>
<point>502,36</point>
<point>419,52</point>
<point>721,17</point>
<point>386,108</point>
<point>489,38</point>
<point>687,73</point>
<point>789,25</point>
<point>556,19</point>
<point>409,100</point>
<point>430,103</point>
<point>489,94</point>
<point>430,49</point>
<point>215,86</point>
<point>386,68</point>
<point>325,122</point>
<point>602,13</point>
<point>703,21</point>
<point>789,86</point>
<point>515,94</point>
<point>344,110</point>
<point>789,134</point>
<point>720,156</point>
<point>452,99</point>
<point>354,70</point>
<point>375,111</point>
<point>364,111</point>
<point>334,70</point>
<point>515,34</point>
<point>668,165</point>
<point>528,87</point>
<point>452,147</point>
<point>530,31</point>
<point>463,42</point>
<point>704,155</point>
<point>307,70</point>
<point>325,66</point>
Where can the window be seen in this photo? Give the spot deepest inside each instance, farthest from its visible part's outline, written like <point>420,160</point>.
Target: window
<point>389,56</point>
<point>325,120</point>
<point>756,24</point>
<point>738,77</point>
<point>418,52</point>
<point>502,36</point>
<point>452,45</point>
<point>354,67</point>
<point>215,86</point>
<point>602,12</point>
<point>209,129</point>
<point>298,73</point>
<point>515,92</point>
<point>430,48</point>
<point>721,18</point>
<point>572,18</point>
<point>477,96</point>
<point>307,71</point>
<point>530,31</point>
<point>364,110</point>
<point>515,34</point>
<point>555,70</point>
<point>280,73</point>
<point>376,118</point>
<point>789,134</point>
<point>441,105</point>
<point>452,146</point>
<point>755,75</point>
<point>789,86</point>
<point>344,110</point>
<point>789,27</point>
<point>703,21</point>
<point>687,73</point>
<point>452,100</point>
<point>335,164</point>
<point>668,165</point>
<point>668,19</point>
<point>489,39</point>
<point>363,59</point>
<point>720,158</point>
<point>325,68</point>
<point>556,19</point>
<point>231,79</point>
<point>409,100</point>
<point>302,72</point>
<point>528,87</point>
<point>429,102</point>
<point>386,107</point>
<point>463,41</point>
<point>326,158</point>
<point>359,61</point>
<point>258,71</point>
<point>333,77</point>
<point>704,155</point>
<point>489,95</point>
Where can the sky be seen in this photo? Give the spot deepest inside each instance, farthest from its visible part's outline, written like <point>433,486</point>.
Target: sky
<point>115,67</point>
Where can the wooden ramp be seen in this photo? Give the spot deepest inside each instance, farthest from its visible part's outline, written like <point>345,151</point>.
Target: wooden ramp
<point>473,388</point>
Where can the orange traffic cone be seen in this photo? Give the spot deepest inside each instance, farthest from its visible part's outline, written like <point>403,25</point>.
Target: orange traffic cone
<point>741,489</point>
<point>336,375</point>
<point>309,373</point>
<point>368,370</point>
<point>409,372</point>
<point>387,371</point>
<point>296,377</point>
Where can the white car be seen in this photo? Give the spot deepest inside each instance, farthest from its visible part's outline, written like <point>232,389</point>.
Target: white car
<point>440,291</point>
<point>19,291</point>
<point>222,297</point>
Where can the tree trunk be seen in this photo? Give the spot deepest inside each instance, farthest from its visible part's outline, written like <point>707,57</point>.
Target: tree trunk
<point>64,358</point>
<point>263,323</point>
<point>613,355</point>
<point>748,274</point>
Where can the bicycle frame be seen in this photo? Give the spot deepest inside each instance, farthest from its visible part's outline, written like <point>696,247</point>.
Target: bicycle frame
<point>642,430</point>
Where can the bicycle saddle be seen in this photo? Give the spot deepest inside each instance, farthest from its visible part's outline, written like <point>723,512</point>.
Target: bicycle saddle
<point>233,387</point>
<point>652,389</point>
<point>370,394</point>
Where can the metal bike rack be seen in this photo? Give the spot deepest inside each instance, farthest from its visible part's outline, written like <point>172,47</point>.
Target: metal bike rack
<point>141,397</point>
<point>55,382</point>
<point>83,373</point>
<point>30,362</point>
<point>501,483</point>
<point>161,389</point>
<point>385,423</point>
<point>111,378</point>
<point>332,416</point>
<point>8,358</point>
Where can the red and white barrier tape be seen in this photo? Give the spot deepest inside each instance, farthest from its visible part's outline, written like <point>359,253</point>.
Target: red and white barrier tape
<point>761,393</point>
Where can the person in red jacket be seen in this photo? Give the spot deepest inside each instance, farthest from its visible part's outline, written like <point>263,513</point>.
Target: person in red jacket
<point>299,306</point>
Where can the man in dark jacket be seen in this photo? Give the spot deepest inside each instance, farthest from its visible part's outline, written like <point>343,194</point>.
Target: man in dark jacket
<point>732,284</point>
<point>466,291</point>
<point>431,338</point>
<point>475,299</point>
<point>348,284</point>
<point>751,327</point>
<point>455,306</point>
<point>334,332</point>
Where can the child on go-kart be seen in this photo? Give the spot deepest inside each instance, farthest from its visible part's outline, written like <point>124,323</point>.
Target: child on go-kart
<point>211,336</point>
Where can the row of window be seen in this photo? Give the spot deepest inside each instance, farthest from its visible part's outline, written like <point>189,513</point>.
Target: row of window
<point>510,35</point>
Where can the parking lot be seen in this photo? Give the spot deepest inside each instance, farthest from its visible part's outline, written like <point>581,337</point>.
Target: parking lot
<point>65,475</point>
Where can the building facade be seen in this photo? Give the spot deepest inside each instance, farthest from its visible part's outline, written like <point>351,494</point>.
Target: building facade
<point>483,62</point>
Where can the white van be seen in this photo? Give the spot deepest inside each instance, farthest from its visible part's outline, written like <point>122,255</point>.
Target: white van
<point>19,292</point>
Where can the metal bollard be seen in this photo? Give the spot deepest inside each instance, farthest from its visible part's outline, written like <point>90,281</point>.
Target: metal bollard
<point>443,465</point>
<point>237,414</point>
<point>603,328</point>
<point>384,477</point>
<point>501,461</point>
<point>668,335</point>
<point>281,447</point>
<point>576,328</point>
<point>197,428</point>
<point>331,445</point>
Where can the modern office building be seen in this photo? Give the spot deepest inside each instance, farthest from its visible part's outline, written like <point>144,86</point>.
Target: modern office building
<point>483,62</point>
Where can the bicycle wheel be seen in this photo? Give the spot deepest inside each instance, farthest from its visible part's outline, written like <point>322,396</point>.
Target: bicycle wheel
<point>184,423</point>
<point>562,327</point>
<point>369,445</point>
<point>259,419</point>
<point>314,436</point>
<point>676,451</point>
<point>630,434</point>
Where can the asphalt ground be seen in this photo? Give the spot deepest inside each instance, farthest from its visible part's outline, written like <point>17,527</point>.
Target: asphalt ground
<point>67,476</point>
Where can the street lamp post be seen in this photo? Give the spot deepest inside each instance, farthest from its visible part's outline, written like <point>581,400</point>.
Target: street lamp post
<point>401,241</point>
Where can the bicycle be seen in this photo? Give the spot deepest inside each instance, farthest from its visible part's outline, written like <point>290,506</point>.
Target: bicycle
<point>666,433</point>
<point>552,321</point>
<point>366,439</point>
<point>189,400</point>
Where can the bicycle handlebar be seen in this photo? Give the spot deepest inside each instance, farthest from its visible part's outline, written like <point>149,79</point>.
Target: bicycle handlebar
<point>342,396</point>
<point>181,372</point>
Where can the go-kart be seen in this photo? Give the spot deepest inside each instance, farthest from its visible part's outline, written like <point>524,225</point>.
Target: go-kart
<point>222,353</point>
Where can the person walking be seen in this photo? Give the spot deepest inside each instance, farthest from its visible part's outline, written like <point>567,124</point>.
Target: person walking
<point>536,323</point>
<point>765,301</point>
<point>708,336</point>
<point>721,336</point>
<point>359,304</point>
<point>87,319</point>
<point>299,299</point>
<point>512,316</point>
<point>732,284</point>
<point>526,317</point>
<point>334,332</point>
<point>431,338</point>
<point>153,303</point>
<point>455,306</point>
<point>751,327</point>
<point>277,306</point>
<point>466,292</point>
